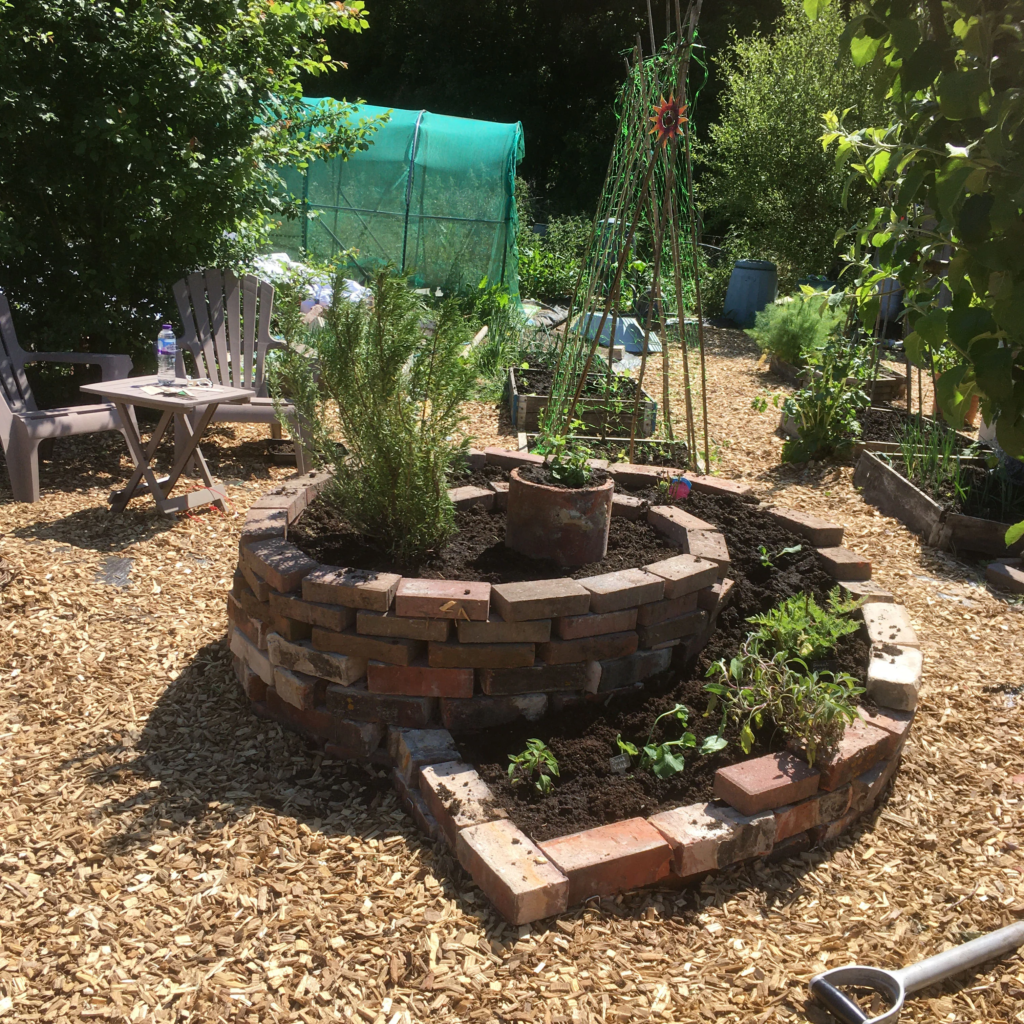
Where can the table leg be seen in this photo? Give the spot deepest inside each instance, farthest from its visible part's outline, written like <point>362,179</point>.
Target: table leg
<point>191,446</point>
<point>141,457</point>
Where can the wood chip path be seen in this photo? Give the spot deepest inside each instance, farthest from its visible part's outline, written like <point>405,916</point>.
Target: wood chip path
<point>164,856</point>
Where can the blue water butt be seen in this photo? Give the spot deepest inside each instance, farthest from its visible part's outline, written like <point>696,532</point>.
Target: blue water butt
<point>753,284</point>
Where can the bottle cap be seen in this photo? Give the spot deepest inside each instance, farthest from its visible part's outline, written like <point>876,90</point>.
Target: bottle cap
<point>166,327</point>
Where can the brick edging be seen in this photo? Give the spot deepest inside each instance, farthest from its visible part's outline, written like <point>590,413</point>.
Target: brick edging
<point>772,806</point>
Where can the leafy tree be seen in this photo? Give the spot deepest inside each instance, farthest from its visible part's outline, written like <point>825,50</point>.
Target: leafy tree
<point>142,141</point>
<point>768,186</point>
<point>950,169</point>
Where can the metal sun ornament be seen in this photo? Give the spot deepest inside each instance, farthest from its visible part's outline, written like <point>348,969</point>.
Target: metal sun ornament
<point>667,118</point>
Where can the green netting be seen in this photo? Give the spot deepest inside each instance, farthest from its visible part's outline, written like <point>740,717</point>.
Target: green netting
<point>433,195</point>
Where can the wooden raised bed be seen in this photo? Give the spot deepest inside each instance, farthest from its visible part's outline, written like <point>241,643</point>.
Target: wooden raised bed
<point>892,493</point>
<point>525,410</point>
<point>888,387</point>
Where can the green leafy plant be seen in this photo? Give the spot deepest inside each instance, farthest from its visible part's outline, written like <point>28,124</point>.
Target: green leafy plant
<point>662,759</point>
<point>568,457</point>
<point>759,403</point>
<point>794,329</point>
<point>752,689</point>
<point>395,393</point>
<point>767,556</point>
<point>531,767</point>
<point>799,627</point>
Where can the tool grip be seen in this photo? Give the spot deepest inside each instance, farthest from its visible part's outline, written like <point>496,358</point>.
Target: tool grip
<point>839,1004</point>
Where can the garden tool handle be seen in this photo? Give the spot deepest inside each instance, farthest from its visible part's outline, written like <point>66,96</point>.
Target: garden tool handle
<point>961,958</point>
<point>837,1003</point>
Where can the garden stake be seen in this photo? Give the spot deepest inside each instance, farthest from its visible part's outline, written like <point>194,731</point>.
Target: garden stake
<point>897,985</point>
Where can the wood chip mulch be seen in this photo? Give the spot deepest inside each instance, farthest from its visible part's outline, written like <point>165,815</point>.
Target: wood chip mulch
<point>164,856</point>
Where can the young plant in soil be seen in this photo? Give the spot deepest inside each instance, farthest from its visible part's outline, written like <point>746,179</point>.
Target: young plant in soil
<point>568,461</point>
<point>530,767</point>
<point>800,628</point>
<point>661,758</point>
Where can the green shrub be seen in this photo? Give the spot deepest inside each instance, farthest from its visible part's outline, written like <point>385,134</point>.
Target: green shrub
<point>795,329</point>
<point>800,628</point>
<point>395,392</point>
<point>531,767</point>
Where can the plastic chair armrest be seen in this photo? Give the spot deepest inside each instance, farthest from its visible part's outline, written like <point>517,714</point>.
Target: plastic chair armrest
<point>113,367</point>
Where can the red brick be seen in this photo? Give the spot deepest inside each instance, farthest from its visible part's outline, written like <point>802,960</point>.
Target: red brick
<point>476,459</point>
<point>590,648</point>
<point>610,859</point>
<point>442,599</point>
<point>515,876</point>
<point>497,631</point>
<point>710,546</point>
<point>865,589</point>
<point>353,588</point>
<point>511,459</point>
<point>714,599</point>
<point>254,630</point>
<point>481,712</point>
<point>415,806</point>
<point>471,495</point>
<point>896,723</point>
<point>820,533</point>
<point>480,655</point>
<point>843,564</point>
<point>704,837</point>
<point>290,629</point>
<point>393,650</point>
<point>538,678</point>
<point>573,627</point>
<point>764,783</point>
<point>826,833</point>
<point>500,488</point>
<point>292,498</point>
<point>618,673</point>
<point>254,687</point>
<point>362,706</point>
<point>627,506</point>
<point>252,607</point>
<point>251,655</point>
<point>626,588</point>
<point>350,739</point>
<point>684,574</point>
<point>315,482</point>
<point>457,797</point>
<point>386,624</point>
<point>726,488</point>
<point>661,611</point>
<point>296,688</point>
<point>673,522</point>
<point>419,680</point>
<point>411,749</point>
<point>861,746</point>
<point>258,585</point>
<point>329,616</point>
<point>790,848</point>
<point>539,599</point>
<point>792,819</point>
<point>302,657</point>
<point>672,629</point>
<point>628,474</point>
<point>888,624</point>
<point>868,786</point>
<point>281,564</point>
<point>264,524</point>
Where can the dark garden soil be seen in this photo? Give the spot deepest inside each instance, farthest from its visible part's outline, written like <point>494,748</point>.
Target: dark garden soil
<point>881,424</point>
<point>645,451</point>
<point>984,493</point>
<point>538,380</point>
<point>537,474</point>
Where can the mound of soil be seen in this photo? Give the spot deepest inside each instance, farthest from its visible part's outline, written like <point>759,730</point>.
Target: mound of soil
<point>537,474</point>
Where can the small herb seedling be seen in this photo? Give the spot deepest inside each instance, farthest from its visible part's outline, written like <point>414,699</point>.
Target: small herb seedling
<point>767,557</point>
<point>530,767</point>
<point>662,758</point>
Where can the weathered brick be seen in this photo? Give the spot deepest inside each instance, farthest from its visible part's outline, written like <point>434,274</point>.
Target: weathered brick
<point>251,655</point>
<point>818,532</point>
<point>617,673</point>
<point>293,498</point>
<point>704,837</point>
<point>290,629</point>
<point>480,655</point>
<point>419,680</point>
<point>725,488</point>
<point>411,749</point>
<point>515,876</point>
<point>457,797</point>
<point>710,546</point>
<point>590,648</point>
<point>264,524</point>
<point>259,586</point>
<point>896,723</point>
<point>627,506</point>
<point>789,848</point>
<point>565,700</point>
<point>792,819</point>
<point>764,783</point>
<point>1006,577</point>
<point>714,599</point>
<point>573,627</point>
<point>302,657</point>
<point>888,624</point>
<point>252,607</point>
<point>868,786</point>
<point>497,631</point>
<point>865,589</point>
<point>539,599</point>
<point>353,740</point>
<point>661,611</point>
<point>476,459</point>
<point>255,630</point>
<point>393,650</point>
<point>329,616</point>
<point>684,574</point>
<point>353,588</point>
<point>894,676</point>
<point>471,495</point>
<point>281,564</point>
<point>843,564</point>
<point>296,688</point>
<point>673,522</point>
<point>626,588</point>
<point>442,599</point>
<point>415,806</point>
<point>538,678</point>
<point>511,459</point>
<point>500,488</point>
<point>359,704</point>
<point>607,860</point>
<point>861,746</point>
<point>628,474</point>
<point>482,712</point>
<point>833,829</point>
<point>388,624</point>
<point>254,687</point>
<point>672,629</point>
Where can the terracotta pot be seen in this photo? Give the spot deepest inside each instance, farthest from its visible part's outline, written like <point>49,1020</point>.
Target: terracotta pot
<point>568,525</point>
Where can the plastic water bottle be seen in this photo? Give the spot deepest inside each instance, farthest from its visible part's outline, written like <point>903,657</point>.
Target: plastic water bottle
<point>166,355</point>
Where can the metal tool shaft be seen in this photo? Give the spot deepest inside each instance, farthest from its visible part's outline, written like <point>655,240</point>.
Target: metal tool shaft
<point>961,958</point>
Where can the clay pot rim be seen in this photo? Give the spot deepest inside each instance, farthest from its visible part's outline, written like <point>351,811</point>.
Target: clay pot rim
<point>609,484</point>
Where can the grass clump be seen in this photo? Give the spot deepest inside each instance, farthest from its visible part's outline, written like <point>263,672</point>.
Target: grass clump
<point>393,390</point>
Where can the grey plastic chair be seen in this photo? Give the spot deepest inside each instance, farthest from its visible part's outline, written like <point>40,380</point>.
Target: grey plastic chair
<point>226,330</point>
<point>24,428</point>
